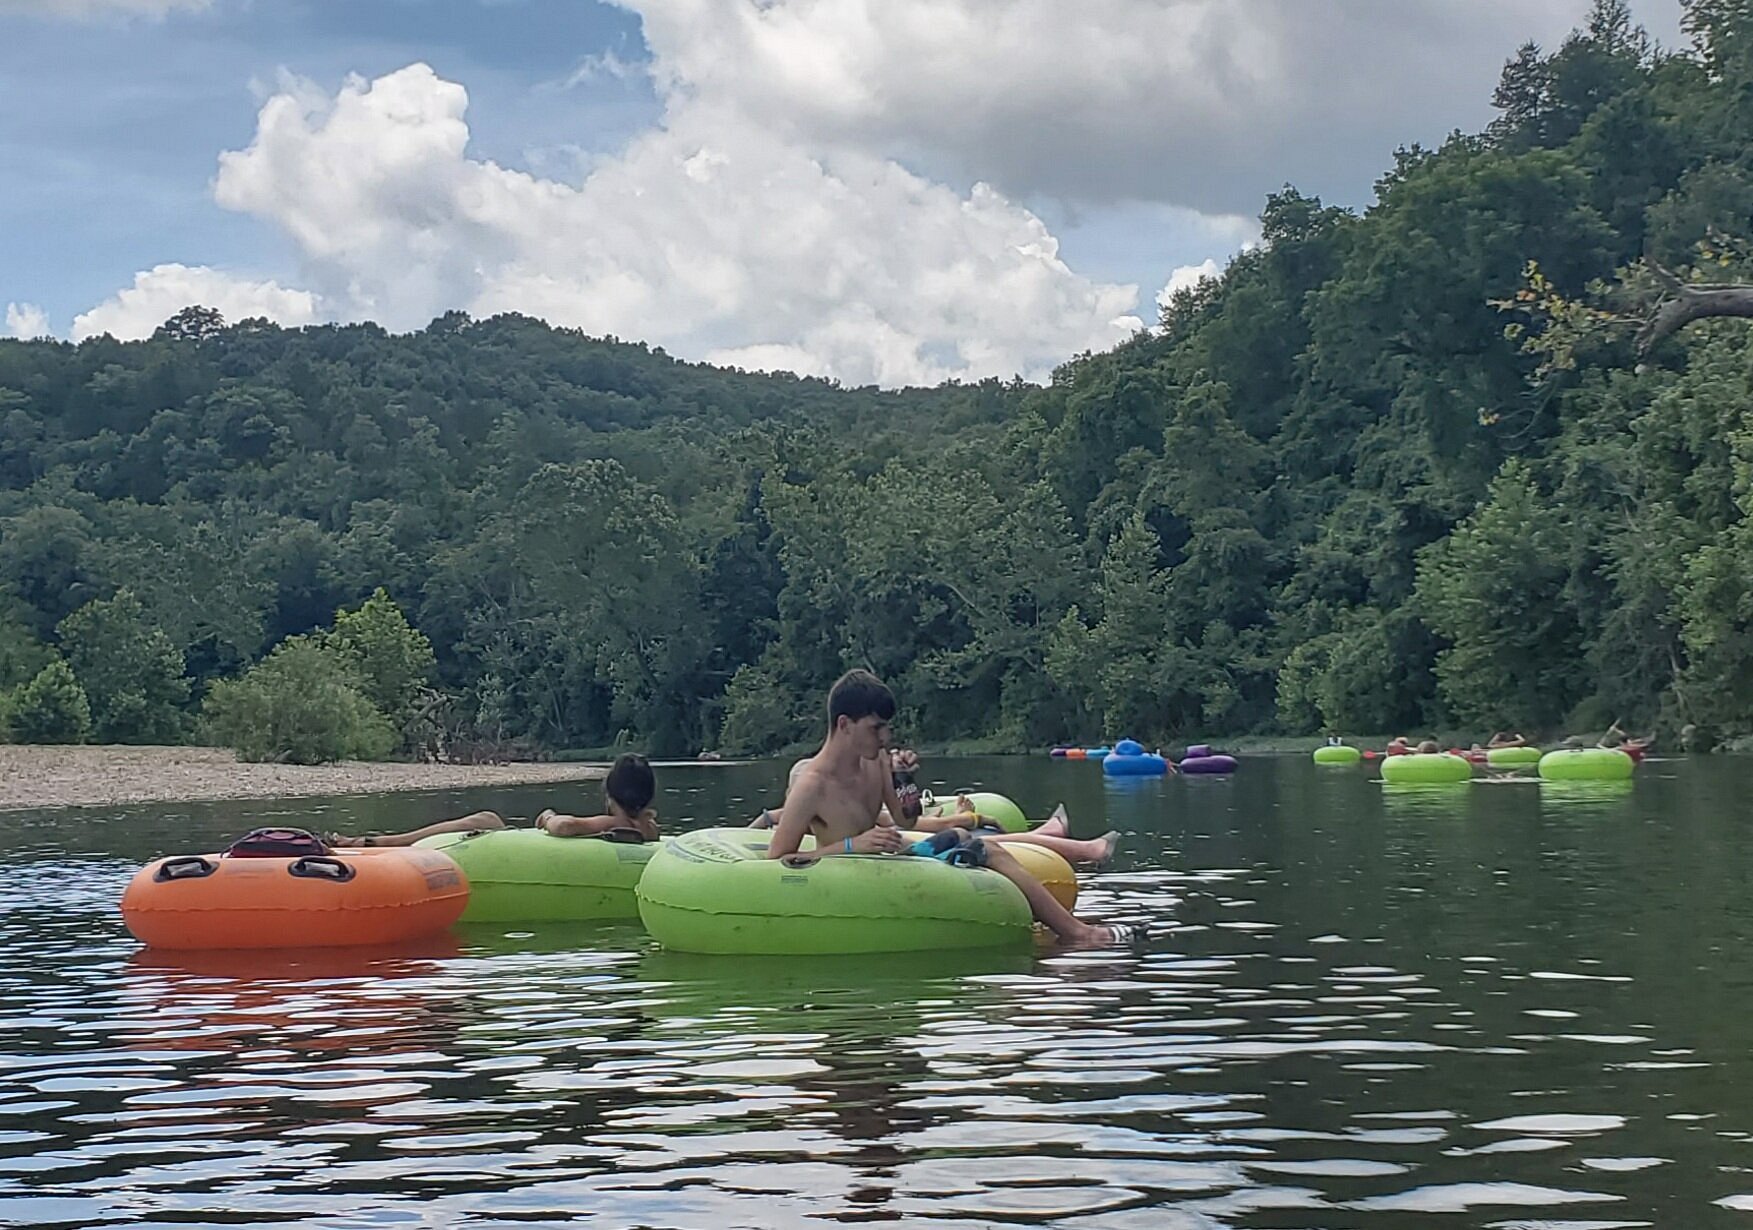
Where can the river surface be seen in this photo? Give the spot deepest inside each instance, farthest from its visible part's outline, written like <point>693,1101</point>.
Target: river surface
<point>1520,1006</point>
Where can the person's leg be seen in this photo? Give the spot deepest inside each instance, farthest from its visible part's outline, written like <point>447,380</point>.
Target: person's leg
<point>1046,910</point>
<point>1096,850</point>
<point>1056,825</point>
<point>474,822</point>
<point>936,824</point>
<point>961,815</point>
<point>941,844</point>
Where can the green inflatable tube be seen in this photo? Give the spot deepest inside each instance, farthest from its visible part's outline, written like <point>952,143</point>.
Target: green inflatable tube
<point>525,875</point>
<point>1586,764</point>
<point>1426,769</point>
<point>716,891</point>
<point>992,807</point>
<point>1512,757</point>
<point>1337,753</point>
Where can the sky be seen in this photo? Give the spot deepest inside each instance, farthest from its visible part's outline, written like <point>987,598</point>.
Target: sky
<point>893,192</point>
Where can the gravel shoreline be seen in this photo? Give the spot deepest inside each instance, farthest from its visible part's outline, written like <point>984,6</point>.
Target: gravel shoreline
<point>37,777</point>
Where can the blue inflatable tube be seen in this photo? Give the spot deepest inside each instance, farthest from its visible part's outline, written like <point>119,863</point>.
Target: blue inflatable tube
<point>1129,759</point>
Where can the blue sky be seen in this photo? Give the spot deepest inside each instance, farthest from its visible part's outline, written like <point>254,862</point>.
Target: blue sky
<point>114,123</point>
<point>893,192</point>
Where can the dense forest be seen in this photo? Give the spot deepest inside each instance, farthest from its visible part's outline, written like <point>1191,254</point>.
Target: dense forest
<point>1415,466</point>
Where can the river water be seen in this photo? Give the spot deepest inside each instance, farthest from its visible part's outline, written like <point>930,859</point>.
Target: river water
<point>1522,1006</point>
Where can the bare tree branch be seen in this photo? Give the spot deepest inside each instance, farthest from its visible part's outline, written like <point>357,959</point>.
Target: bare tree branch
<point>1687,302</point>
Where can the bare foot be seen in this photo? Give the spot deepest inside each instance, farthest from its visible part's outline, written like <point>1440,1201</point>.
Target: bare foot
<point>1106,937</point>
<point>1095,850</point>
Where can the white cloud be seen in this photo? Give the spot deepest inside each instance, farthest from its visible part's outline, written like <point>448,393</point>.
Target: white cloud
<point>27,320</point>
<point>710,235</point>
<point>603,65</point>
<point>1204,103</point>
<point>163,291</point>
<point>80,9</point>
<point>837,186</point>
<point>1186,277</point>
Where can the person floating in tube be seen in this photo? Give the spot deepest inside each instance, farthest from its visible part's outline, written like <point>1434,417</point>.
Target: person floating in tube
<point>1053,833</point>
<point>1632,745</point>
<point>627,814</point>
<point>841,795</point>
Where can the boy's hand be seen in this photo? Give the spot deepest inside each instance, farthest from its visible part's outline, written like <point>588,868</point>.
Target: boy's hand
<point>883,839</point>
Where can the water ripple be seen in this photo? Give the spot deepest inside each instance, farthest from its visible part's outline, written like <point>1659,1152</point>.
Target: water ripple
<point>1330,1026</point>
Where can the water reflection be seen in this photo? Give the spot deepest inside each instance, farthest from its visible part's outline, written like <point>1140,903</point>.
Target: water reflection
<point>1579,798</point>
<point>1360,1007</point>
<point>1415,801</point>
<point>321,999</point>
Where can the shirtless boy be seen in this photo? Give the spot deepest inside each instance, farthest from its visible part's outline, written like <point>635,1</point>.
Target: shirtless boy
<point>841,794</point>
<point>1053,833</point>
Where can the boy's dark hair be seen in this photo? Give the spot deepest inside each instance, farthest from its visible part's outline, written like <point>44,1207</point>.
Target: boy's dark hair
<point>631,784</point>
<point>860,694</point>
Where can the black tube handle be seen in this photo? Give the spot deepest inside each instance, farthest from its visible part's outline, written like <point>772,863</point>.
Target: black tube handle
<point>321,867</point>
<point>186,867</point>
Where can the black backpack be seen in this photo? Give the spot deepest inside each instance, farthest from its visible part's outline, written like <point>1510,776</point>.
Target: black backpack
<point>277,843</point>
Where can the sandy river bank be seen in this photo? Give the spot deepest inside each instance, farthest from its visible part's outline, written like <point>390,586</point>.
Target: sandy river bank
<point>34,777</point>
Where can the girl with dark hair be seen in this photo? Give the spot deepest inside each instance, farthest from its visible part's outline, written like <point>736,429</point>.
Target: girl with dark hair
<point>627,794</point>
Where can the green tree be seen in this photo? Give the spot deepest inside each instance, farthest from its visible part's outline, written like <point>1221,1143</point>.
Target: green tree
<point>192,324</point>
<point>1495,589</point>
<point>391,657</point>
<point>1524,98</point>
<point>1370,675</point>
<point>761,714</point>
<point>130,671</point>
<point>22,655</point>
<point>1722,33</point>
<point>192,569</point>
<point>1143,681</point>
<point>1217,525</point>
<point>299,705</point>
<point>581,594</point>
<point>46,562</point>
<point>51,708</point>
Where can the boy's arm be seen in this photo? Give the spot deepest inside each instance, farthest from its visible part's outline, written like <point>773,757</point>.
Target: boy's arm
<point>801,805</point>
<point>891,814</point>
<point>794,823</point>
<point>576,826</point>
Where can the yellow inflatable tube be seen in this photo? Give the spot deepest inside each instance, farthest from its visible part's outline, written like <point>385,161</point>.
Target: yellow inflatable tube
<point>1045,865</point>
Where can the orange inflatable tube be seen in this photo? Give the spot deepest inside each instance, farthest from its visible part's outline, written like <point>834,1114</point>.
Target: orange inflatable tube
<point>334,900</point>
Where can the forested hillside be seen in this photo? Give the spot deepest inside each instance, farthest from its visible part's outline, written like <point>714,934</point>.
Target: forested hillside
<point>1395,469</point>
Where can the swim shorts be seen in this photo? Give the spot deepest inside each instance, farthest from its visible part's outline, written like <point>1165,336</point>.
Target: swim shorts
<point>950,847</point>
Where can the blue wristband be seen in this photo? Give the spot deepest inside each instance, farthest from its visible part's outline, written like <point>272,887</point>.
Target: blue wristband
<point>849,845</point>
